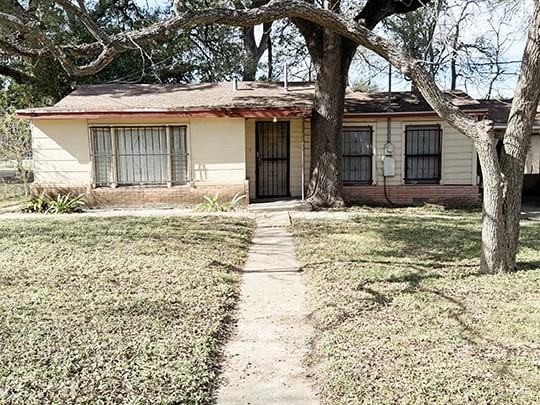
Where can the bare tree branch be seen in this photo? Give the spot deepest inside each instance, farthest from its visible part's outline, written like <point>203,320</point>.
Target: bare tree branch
<point>277,9</point>
<point>15,74</point>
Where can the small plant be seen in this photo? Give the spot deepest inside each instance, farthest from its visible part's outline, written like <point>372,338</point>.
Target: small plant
<point>213,205</point>
<point>61,204</point>
<point>66,204</point>
<point>37,204</point>
<point>235,202</point>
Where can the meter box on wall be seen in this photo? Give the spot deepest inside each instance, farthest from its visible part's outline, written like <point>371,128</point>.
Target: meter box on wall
<point>389,166</point>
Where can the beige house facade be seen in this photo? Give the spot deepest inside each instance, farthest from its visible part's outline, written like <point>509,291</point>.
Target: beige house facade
<point>161,145</point>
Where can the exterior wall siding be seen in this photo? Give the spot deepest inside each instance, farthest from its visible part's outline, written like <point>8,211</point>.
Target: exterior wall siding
<point>216,161</point>
<point>218,150</point>
<point>458,155</point>
<point>62,155</point>
<point>61,152</point>
<point>458,167</point>
<point>223,157</point>
<point>532,165</point>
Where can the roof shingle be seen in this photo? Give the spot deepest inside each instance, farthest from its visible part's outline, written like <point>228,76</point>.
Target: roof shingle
<point>148,98</point>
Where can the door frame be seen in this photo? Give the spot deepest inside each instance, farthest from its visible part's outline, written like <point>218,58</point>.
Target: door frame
<point>257,146</point>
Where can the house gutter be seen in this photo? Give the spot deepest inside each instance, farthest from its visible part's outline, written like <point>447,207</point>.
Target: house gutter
<point>216,113</point>
<point>503,126</point>
<point>405,114</point>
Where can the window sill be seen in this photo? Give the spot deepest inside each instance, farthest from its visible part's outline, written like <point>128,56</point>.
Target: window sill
<point>142,186</point>
<point>409,183</point>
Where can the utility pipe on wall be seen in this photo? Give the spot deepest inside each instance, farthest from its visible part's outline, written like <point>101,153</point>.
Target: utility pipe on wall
<point>303,158</point>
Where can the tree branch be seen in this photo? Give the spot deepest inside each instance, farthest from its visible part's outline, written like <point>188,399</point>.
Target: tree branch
<point>277,9</point>
<point>83,15</point>
<point>17,75</point>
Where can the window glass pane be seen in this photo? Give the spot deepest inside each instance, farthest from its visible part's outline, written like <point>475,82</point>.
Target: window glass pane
<point>141,155</point>
<point>179,154</point>
<point>102,158</point>
<point>357,155</point>
<point>423,154</point>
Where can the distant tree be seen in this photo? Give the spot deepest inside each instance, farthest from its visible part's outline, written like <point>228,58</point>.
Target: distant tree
<point>362,85</point>
<point>207,54</point>
<point>15,143</point>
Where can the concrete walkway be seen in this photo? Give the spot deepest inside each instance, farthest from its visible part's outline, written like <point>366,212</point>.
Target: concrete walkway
<point>264,360</point>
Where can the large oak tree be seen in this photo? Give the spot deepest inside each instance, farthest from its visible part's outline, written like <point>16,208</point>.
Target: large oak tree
<point>331,39</point>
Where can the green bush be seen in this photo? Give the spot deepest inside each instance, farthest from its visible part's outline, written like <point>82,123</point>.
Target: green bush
<point>213,205</point>
<point>60,204</point>
<point>66,204</point>
<point>37,204</point>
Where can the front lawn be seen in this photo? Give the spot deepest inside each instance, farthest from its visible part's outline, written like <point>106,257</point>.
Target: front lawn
<point>11,193</point>
<point>116,310</point>
<point>401,314</point>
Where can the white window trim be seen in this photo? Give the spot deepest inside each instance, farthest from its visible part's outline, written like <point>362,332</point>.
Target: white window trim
<point>404,125</point>
<point>373,126</point>
<point>167,126</point>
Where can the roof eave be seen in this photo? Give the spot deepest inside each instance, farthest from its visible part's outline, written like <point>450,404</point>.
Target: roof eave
<point>277,112</point>
<point>406,114</point>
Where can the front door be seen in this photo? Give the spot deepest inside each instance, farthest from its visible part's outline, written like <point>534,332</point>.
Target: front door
<point>272,139</point>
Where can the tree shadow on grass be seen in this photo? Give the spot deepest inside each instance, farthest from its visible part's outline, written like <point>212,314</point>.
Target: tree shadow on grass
<point>426,252</point>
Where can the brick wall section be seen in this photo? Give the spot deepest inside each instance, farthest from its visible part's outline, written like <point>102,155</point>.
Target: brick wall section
<point>414,195</point>
<point>149,196</point>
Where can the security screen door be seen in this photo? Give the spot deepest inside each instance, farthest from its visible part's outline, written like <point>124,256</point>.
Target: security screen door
<point>273,148</point>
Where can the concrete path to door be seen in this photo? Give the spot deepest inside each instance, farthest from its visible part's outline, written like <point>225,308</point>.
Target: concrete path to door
<point>265,358</point>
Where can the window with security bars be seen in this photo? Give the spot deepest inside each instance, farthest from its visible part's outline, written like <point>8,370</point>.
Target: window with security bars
<point>423,154</point>
<point>357,155</point>
<point>139,155</point>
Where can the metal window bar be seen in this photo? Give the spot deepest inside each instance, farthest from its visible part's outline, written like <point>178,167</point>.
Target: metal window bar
<point>142,155</point>
<point>273,159</point>
<point>423,154</point>
<point>179,155</point>
<point>102,155</point>
<point>357,155</point>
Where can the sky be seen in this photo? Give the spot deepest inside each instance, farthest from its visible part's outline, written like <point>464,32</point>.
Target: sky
<point>479,22</point>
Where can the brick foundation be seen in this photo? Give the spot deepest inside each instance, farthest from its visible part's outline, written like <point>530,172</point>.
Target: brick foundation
<point>149,196</point>
<point>414,195</point>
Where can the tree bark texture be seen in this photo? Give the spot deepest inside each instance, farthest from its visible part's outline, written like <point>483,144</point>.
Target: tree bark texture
<point>494,258</point>
<point>332,67</point>
<point>517,139</point>
<point>254,51</point>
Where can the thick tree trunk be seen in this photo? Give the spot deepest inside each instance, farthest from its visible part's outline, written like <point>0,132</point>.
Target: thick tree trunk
<point>495,255</point>
<point>513,173</point>
<point>332,65</point>
<point>254,51</point>
<point>517,138</point>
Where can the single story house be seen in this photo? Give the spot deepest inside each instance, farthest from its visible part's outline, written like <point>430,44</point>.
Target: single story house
<point>141,144</point>
<point>498,111</point>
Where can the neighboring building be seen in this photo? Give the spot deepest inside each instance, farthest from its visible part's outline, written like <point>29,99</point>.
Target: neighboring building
<point>498,111</point>
<point>168,144</point>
